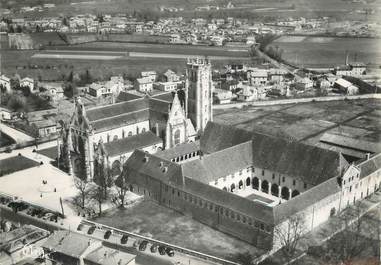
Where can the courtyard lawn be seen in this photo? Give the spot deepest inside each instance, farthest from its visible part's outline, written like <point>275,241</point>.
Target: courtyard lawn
<point>50,152</point>
<point>14,164</point>
<point>152,220</point>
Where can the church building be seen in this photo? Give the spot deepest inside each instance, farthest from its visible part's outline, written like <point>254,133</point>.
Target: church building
<point>109,134</point>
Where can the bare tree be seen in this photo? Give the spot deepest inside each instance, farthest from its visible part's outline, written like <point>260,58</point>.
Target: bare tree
<point>351,242</point>
<point>83,187</point>
<point>122,188</point>
<point>289,235</point>
<point>97,193</point>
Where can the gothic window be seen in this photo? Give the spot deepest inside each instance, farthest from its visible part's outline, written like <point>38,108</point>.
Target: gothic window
<point>129,133</point>
<point>143,130</point>
<point>115,138</point>
<point>177,137</point>
<point>123,134</point>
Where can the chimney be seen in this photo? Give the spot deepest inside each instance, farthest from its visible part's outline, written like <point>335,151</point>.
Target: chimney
<point>367,156</point>
<point>146,158</point>
<point>161,164</point>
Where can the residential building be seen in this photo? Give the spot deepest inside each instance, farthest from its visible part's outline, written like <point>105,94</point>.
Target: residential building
<point>166,86</point>
<point>304,84</point>
<point>150,75</point>
<point>222,96</point>
<point>170,76</point>
<point>54,90</point>
<point>28,82</point>
<point>144,84</point>
<point>346,87</point>
<point>5,83</point>
<point>22,243</point>
<point>257,76</point>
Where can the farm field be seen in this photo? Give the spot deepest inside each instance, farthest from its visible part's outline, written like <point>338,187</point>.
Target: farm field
<point>259,8</point>
<point>316,52</point>
<point>307,122</point>
<point>104,59</point>
<point>108,46</point>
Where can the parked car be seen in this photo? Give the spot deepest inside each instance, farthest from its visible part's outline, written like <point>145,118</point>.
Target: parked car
<point>41,214</point>
<point>124,239</point>
<point>18,206</point>
<point>136,243</point>
<point>143,245</point>
<point>4,200</point>
<point>170,252</point>
<point>107,234</point>
<point>47,216</point>
<point>91,230</point>
<point>153,248</point>
<point>80,227</point>
<point>161,250</point>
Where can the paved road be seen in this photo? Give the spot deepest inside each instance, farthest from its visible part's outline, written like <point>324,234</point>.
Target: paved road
<point>16,135</point>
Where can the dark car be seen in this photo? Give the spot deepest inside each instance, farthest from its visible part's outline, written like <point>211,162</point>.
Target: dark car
<point>80,227</point>
<point>143,245</point>
<point>91,230</point>
<point>153,248</point>
<point>170,252</point>
<point>32,211</point>
<point>107,234</point>
<point>161,250</point>
<point>4,200</point>
<point>41,213</point>
<point>124,239</point>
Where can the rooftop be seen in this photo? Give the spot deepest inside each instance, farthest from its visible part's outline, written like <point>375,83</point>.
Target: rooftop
<point>129,144</point>
<point>67,243</point>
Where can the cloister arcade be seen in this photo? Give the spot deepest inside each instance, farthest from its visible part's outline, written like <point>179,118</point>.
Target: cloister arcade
<point>264,186</point>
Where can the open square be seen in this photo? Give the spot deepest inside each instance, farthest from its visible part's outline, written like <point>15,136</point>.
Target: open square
<point>161,223</point>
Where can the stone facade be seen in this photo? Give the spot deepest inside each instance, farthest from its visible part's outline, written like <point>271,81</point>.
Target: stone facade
<point>199,88</point>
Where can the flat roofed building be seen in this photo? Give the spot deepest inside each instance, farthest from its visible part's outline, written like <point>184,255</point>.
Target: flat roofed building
<point>22,243</point>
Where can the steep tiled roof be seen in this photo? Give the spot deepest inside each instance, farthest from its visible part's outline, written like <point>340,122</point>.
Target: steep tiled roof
<point>131,143</point>
<point>142,163</point>
<point>305,199</point>
<point>311,164</point>
<point>369,166</point>
<point>121,120</point>
<point>109,111</point>
<point>349,142</point>
<point>217,137</point>
<point>137,166</point>
<point>125,96</point>
<point>219,164</point>
<point>166,96</point>
<point>159,105</point>
<point>179,150</point>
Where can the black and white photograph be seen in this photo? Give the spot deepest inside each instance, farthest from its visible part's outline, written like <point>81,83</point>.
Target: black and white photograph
<point>190,132</point>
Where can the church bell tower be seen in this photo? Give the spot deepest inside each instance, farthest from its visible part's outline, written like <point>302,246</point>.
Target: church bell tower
<point>199,90</point>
